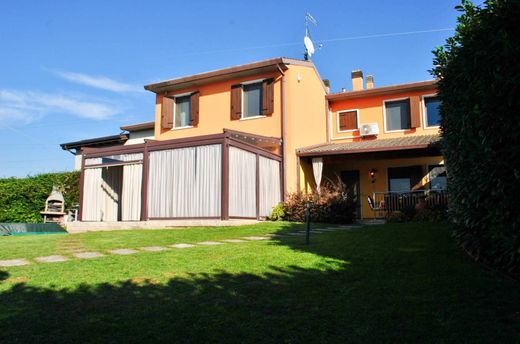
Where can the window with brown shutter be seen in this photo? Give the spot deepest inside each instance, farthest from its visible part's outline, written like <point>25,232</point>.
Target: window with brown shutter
<point>415,112</point>
<point>236,102</point>
<point>167,113</point>
<point>194,109</point>
<point>347,120</point>
<point>268,97</point>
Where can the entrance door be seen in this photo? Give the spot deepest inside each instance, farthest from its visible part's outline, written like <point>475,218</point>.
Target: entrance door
<point>352,188</point>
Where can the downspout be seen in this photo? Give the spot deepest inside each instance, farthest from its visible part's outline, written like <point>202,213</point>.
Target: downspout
<point>284,172</point>
<point>327,122</point>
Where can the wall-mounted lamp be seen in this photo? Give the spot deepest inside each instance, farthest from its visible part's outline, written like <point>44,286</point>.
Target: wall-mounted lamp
<point>372,174</point>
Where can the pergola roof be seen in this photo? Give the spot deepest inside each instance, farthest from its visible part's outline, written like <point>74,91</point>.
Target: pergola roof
<point>375,145</point>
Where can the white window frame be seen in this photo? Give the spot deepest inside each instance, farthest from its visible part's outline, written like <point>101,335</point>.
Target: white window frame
<point>337,121</point>
<point>425,113</point>
<point>242,84</point>
<point>384,114</point>
<point>175,110</point>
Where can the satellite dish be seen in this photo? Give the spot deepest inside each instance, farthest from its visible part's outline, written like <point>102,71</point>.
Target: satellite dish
<point>309,46</point>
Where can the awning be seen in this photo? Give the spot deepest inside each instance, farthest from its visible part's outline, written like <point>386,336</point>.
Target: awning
<point>410,142</point>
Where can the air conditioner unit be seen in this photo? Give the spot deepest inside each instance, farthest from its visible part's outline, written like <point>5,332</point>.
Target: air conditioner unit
<point>368,129</point>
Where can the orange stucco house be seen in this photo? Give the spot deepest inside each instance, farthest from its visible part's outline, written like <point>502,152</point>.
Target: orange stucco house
<point>232,143</point>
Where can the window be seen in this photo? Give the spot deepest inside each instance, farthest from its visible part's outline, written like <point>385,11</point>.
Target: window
<point>252,94</point>
<point>403,179</point>
<point>347,120</point>
<point>440,182</point>
<point>398,115</point>
<point>182,111</point>
<point>431,111</point>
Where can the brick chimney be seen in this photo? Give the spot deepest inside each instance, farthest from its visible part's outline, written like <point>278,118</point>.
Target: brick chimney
<point>357,80</point>
<point>370,81</point>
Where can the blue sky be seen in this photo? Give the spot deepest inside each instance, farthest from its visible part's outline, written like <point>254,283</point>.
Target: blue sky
<point>73,70</point>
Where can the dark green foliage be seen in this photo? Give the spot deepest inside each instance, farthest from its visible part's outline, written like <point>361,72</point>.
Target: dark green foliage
<point>22,199</point>
<point>479,85</point>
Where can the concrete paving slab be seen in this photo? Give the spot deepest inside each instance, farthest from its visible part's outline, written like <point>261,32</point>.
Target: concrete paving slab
<point>209,243</point>
<point>255,238</point>
<point>153,248</point>
<point>296,233</point>
<point>182,245</point>
<point>51,259</point>
<point>87,255</point>
<point>123,251</point>
<point>14,262</point>
<point>234,240</point>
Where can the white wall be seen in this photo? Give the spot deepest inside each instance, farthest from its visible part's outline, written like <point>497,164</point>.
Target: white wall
<point>136,137</point>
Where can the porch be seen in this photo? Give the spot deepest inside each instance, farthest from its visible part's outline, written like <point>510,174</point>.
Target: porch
<point>382,176</point>
<point>232,175</point>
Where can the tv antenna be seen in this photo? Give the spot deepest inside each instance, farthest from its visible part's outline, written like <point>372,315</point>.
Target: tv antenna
<point>307,41</point>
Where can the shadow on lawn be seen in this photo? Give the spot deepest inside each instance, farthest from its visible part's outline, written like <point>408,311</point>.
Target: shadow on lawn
<point>364,300</point>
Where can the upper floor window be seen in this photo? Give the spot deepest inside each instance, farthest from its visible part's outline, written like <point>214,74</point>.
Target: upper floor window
<point>397,114</point>
<point>252,94</point>
<point>431,111</point>
<point>182,112</point>
<point>348,120</point>
<point>252,99</point>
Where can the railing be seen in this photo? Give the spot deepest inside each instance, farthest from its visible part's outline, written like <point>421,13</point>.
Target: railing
<point>402,201</point>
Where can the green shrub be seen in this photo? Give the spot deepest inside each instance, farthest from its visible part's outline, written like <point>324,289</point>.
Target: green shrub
<point>22,199</point>
<point>479,86</point>
<point>429,215</point>
<point>396,217</point>
<point>330,206</point>
<point>278,212</point>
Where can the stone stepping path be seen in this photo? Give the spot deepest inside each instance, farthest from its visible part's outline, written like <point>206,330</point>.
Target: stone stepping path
<point>123,251</point>
<point>14,262</point>
<point>87,255</point>
<point>81,254</point>
<point>182,245</point>
<point>234,240</point>
<point>256,238</point>
<point>153,248</point>
<point>51,259</point>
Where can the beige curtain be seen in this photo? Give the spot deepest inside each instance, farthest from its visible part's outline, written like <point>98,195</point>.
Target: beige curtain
<point>92,204</point>
<point>269,185</point>
<point>242,183</point>
<point>131,193</point>
<point>317,169</point>
<point>111,180</point>
<point>185,182</point>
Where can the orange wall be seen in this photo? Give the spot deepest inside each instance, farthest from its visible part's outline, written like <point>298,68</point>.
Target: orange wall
<point>214,112</point>
<point>371,110</point>
<point>306,121</point>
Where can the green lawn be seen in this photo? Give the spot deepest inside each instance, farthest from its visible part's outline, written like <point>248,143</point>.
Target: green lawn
<point>391,283</point>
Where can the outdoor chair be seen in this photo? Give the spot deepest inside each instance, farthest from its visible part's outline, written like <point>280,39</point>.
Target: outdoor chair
<point>375,208</point>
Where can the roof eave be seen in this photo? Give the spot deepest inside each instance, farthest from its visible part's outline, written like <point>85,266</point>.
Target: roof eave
<point>266,66</point>
<point>384,90</point>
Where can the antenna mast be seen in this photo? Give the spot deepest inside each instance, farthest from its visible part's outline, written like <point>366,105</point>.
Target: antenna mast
<point>309,46</point>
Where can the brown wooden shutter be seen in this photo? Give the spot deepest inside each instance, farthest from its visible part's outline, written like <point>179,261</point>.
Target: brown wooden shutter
<point>348,120</point>
<point>415,112</point>
<point>167,113</point>
<point>194,109</point>
<point>268,97</point>
<point>236,102</point>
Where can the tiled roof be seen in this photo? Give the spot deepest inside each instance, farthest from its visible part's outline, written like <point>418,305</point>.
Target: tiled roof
<point>377,145</point>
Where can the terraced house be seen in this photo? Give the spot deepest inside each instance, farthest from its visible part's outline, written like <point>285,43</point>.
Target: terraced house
<point>232,143</point>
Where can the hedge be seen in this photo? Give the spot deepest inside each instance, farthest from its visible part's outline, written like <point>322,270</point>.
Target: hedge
<point>22,199</point>
<point>479,86</point>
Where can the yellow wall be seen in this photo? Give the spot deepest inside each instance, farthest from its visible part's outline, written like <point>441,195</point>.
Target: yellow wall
<point>371,110</point>
<point>333,166</point>
<point>214,112</point>
<point>306,121</point>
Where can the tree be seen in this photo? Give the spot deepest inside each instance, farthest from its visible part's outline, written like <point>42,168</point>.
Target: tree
<point>479,86</point>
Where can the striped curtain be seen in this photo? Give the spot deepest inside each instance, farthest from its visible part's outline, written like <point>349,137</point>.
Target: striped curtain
<point>269,185</point>
<point>242,183</point>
